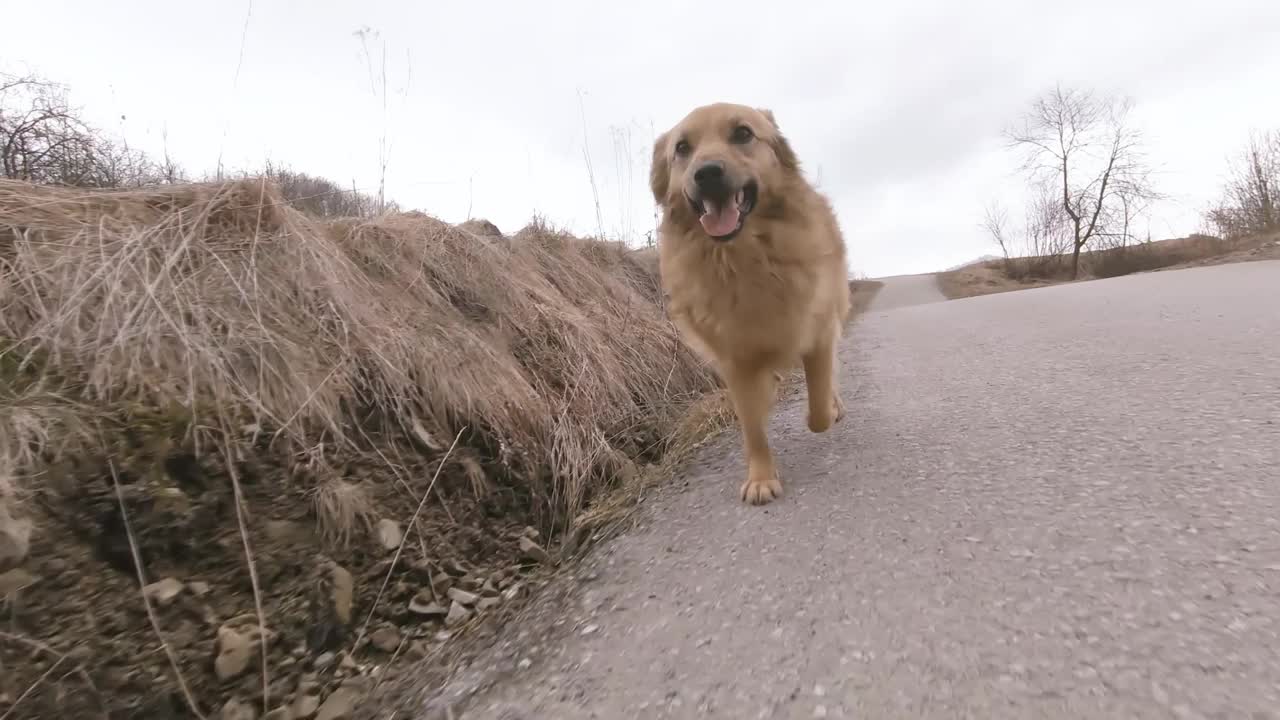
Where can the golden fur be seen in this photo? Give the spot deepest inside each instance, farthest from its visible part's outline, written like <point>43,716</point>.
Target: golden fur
<point>774,295</point>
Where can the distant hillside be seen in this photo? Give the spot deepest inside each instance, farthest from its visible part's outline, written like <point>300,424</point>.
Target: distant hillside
<point>975,261</point>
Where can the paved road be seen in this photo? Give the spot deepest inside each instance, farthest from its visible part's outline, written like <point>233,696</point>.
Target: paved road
<point>1058,503</point>
<point>906,290</point>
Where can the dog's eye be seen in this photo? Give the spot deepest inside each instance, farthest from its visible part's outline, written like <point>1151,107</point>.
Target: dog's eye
<point>741,134</point>
<point>682,148</point>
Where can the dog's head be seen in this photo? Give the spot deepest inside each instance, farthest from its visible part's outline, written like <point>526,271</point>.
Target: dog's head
<point>721,163</point>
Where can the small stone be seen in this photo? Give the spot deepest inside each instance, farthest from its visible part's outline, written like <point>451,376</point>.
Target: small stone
<point>306,700</point>
<point>171,501</point>
<point>424,604</point>
<point>590,630</point>
<point>236,709</point>
<point>530,532</point>
<point>15,580</point>
<point>330,605</point>
<point>458,614</point>
<point>385,638</point>
<point>163,592</point>
<point>819,711</point>
<point>343,591</point>
<point>531,550</point>
<point>488,603</point>
<point>489,589</point>
<point>524,664</point>
<point>288,532</point>
<point>389,534</point>
<point>440,583</point>
<point>512,592</point>
<point>199,588</point>
<point>238,644</point>
<point>462,596</point>
<point>15,539</point>
<point>341,703</point>
<point>453,567</point>
<point>324,660</point>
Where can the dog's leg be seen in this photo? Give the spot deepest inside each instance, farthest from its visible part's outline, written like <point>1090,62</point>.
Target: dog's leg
<point>821,367</point>
<point>753,391</point>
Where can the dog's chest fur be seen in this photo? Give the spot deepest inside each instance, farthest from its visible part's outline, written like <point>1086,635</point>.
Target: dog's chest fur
<point>740,298</point>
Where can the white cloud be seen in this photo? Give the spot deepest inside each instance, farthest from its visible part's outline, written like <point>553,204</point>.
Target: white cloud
<point>898,108</point>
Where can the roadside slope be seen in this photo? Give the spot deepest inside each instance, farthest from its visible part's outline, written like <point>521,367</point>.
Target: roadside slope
<point>1021,516</point>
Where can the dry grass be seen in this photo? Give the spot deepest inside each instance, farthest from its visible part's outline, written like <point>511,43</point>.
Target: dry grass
<point>240,323</point>
<point>343,510</point>
<point>1251,249</point>
<point>984,278</point>
<point>861,293</point>
<point>995,276</point>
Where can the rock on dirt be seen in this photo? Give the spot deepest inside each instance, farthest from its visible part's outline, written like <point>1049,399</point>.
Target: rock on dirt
<point>306,702</point>
<point>531,550</point>
<point>341,702</point>
<point>331,600</point>
<point>239,642</point>
<point>162,592</point>
<point>424,604</point>
<point>458,614</point>
<point>385,638</point>
<point>463,597</point>
<point>15,581</point>
<point>237,709</point>
<point>389,534</point>
<point>15,539</point>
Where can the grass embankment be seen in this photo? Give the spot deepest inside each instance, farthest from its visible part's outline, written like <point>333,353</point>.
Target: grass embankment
<point>361,435</point>
<point>1004,275</point>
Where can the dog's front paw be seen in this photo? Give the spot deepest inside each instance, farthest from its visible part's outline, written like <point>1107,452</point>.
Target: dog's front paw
<point>762,486</point>
<point>822,422</point>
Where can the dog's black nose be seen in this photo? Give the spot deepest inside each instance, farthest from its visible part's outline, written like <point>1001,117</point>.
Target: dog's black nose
<point>709,176</point>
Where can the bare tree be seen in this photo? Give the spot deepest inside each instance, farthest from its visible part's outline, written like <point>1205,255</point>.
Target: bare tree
<point>1251,196</point>
<point>1084,146</point>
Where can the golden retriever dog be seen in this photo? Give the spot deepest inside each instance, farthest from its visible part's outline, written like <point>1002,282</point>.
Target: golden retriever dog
<point>752,261</point>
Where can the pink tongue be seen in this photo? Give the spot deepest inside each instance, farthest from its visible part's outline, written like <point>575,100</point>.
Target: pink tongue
<point>719,221</point>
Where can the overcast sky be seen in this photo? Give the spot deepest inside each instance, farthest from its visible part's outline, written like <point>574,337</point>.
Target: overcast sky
<point>896,110</point>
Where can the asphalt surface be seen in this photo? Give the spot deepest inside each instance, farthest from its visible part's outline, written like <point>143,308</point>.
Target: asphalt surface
<point>1056,503</point>
<point>906,290</point>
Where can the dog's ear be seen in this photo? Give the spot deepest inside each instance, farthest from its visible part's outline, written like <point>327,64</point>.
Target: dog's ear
<point>781,148</point>
<point>660,169</point>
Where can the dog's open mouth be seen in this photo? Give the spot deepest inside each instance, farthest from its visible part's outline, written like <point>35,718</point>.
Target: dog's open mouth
<point>722,219</point>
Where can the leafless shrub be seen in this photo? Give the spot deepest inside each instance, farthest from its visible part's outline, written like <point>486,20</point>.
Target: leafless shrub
<point>43,139</point>
<point>1250,202</point>
<point>1037,248</point>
